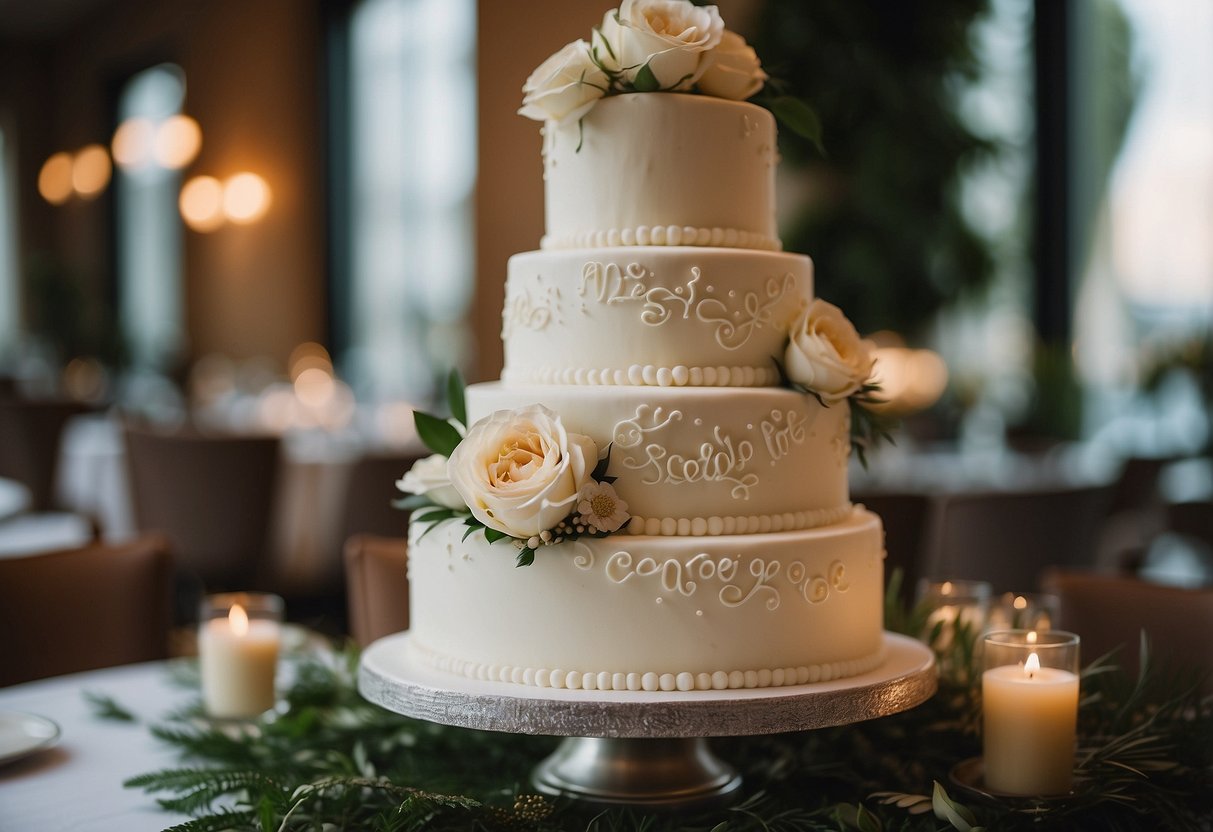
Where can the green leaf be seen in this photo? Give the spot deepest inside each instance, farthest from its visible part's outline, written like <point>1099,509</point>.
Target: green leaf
<point>439,435</point>
<point>799,118</point>
<point>413,501</point>
<point>526,557</point>
<point>599,474</point>
<point>645,80</point>
<point>469,532</point>
<point>493,535</point>
<point>455,397</point>
<point>104,707</point>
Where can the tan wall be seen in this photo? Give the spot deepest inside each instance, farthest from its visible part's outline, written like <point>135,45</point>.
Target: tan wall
<point>253,79</point>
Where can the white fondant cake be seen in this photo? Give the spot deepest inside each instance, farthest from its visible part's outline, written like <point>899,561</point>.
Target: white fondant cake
<point>715,545</point>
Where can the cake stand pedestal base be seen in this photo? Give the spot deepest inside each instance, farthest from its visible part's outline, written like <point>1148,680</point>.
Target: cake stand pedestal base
<point>641,748</point>
<point>647,773</point>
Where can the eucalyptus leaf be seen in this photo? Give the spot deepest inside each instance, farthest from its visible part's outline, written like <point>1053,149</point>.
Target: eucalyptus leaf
<point>645,80</point>
<point>439,435</point>
<point>798,117</point>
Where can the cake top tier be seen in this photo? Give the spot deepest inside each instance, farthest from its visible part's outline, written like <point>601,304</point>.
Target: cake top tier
<point>648,140</point>
<point>670,169</point>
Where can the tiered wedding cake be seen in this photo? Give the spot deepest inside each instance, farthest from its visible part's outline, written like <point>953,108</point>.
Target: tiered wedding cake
<point>685,517</point>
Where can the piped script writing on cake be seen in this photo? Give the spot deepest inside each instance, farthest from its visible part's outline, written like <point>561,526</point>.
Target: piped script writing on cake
<point>666,453</point>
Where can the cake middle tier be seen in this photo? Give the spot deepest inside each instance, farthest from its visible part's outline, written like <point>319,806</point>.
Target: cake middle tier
<point>704,461</point>
<point>676,316</point>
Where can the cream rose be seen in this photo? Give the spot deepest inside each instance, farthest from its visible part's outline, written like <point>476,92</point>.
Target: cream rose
<point>429,477</point>
<point>732,70</point>
<point>826,354</point>
<point>520,471</point>
<point>565,86</point>
<point>671,36</point>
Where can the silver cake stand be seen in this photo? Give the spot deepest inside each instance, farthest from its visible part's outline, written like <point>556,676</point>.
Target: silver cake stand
<point>640,748</point>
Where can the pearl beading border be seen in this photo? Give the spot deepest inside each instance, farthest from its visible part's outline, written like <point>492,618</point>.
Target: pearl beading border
<point>663,235</point>
<point>741,524</point>
<point>651,680</point>
<point>647,375</point>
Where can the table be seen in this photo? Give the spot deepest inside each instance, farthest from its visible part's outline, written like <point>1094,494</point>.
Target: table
<point>77,785</point>
<point>14,498</point>
<point>306,526</point>
<point>34,534</point>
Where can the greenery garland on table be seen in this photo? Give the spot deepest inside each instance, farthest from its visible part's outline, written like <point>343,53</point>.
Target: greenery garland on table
<point>327,759</point>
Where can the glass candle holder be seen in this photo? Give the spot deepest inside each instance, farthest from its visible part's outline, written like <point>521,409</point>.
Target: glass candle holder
<point>952,605</point>
<point>239,634</point>
<point>1029,689</point>
<point>1024,611</point>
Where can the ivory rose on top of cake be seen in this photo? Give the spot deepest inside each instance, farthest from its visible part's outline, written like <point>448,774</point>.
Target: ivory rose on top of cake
<point>656,46</point>
<point>515,474</point>
<point>826,358</point>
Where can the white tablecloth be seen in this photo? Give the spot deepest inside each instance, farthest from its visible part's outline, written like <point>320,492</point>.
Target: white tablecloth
<point>33,534</point>
<point>14,498</point>
<point>77,785</point>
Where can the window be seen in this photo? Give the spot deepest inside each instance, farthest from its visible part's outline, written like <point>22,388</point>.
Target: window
<point>411,166</point>
<point>150,274</point>
<point>9,297</point>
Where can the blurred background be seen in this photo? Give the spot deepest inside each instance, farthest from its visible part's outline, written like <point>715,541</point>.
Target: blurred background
<point>292,217</point>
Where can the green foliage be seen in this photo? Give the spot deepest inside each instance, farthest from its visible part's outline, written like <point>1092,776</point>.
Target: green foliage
<point>330,759</point>
<point>883,224</point>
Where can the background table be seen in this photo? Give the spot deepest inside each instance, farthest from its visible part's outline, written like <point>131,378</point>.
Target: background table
<point>77,785</point>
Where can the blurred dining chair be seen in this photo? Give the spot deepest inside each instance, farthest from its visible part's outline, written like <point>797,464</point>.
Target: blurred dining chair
<point>1110,611</point>
<point>907,519</point>
<point>377,586</point>
<point>370,493</point>
<point>212,497</point>
<point>31,431</point>
<point>80,609</point>
<point>1008,539</point>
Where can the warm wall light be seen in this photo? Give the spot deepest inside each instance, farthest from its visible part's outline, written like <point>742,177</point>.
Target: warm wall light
<point>177,142</point>
<point>309,355</point>
<point>91,171</point>
<point>246,198</point>
<point>201,203</point>
<point>55,179</point>
<point>132,143</point>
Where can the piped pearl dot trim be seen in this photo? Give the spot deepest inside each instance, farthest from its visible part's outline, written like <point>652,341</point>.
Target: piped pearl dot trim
<point>680,680</point>
<point>646,375</point>
<point>741,524</point>
<point>663,235</point>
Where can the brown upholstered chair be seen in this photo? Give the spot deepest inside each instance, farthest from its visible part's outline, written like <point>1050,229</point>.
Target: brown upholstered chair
<point>30,435</point>
<point>377,586</point>
<point>371,491</point>
<point>1009,539</point>
<point>1109,611</point>
<point>212,497</point>
<point>907,519</point>
<point>80,609</point>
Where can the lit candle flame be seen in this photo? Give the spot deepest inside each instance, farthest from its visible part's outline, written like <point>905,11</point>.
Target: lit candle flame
<point>1020,602</point>
<point>237,619</point>
<point>1032,637</point>
<point>1031,665</point>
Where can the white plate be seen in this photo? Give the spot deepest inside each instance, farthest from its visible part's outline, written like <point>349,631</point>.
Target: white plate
<point>22,734</point>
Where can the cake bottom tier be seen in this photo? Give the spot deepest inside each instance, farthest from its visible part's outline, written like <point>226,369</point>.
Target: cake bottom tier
<point>652,613</point>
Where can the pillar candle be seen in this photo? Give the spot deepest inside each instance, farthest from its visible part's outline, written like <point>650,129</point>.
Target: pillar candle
<point>238,658</point>
<point>1029,718</point>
